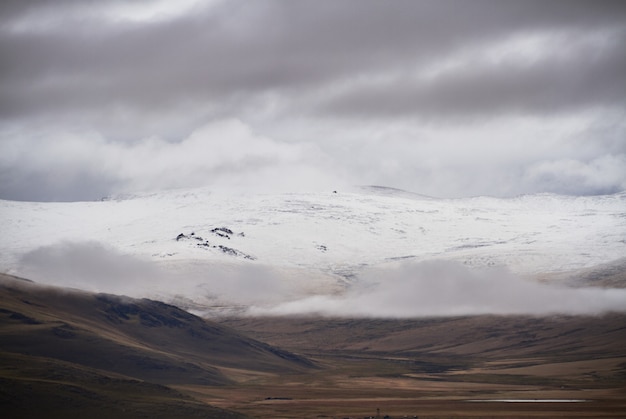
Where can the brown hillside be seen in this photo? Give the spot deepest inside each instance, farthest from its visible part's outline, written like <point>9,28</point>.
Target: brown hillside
<point>64,351</point>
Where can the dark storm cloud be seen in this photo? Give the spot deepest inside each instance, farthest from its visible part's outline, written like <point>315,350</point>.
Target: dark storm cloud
<point>558,83</point>
<point>73,63</point>
<point>315,73</point>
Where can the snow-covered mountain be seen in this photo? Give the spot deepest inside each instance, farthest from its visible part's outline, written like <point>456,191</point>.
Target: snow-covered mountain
<point>317,242</point>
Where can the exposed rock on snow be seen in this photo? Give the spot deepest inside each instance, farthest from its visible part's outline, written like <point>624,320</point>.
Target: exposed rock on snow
<point>331,233</point>
<point>222,232</point>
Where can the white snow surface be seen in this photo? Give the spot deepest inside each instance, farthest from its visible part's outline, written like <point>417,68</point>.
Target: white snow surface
<point>319,242</point>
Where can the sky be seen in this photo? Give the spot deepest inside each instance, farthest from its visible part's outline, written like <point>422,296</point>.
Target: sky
<point>445,98</point>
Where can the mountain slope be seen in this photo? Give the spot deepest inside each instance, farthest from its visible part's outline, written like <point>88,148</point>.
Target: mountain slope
<point>484,337</point>
<point>331,231</point>
<point>37,387</point>
<point>143,339</point>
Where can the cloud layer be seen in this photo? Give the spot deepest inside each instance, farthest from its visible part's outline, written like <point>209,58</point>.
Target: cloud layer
<point>96,267</point>
<point>443,288</point>
<point>532,93</point>
<point>87,265</point>
<point>435,288</point>
<point>85,165</point>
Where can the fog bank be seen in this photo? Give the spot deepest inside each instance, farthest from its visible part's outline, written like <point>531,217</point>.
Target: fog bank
<point>444,288</point>
<point>432,288</point>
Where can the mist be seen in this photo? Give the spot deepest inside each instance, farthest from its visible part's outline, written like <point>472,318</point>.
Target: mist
<point>96,267</point>
<point>446,288</point>
<point>424,289</point>
<point>90,265</point>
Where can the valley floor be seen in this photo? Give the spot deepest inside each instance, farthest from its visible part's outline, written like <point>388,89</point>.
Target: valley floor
<point>405,368</point>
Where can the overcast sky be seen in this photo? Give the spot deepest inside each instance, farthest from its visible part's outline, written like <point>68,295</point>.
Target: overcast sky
<point>446,98</point>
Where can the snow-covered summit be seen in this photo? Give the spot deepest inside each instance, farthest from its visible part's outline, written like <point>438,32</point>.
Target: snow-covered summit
<point>331,231</point>
<point>316,242</point>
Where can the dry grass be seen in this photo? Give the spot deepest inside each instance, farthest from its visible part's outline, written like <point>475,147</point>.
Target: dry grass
<point>410,367</point>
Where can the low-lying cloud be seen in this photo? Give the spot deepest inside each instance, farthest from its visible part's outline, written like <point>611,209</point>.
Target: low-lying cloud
<point>93,266</point>
<point>443,288</point>
<point>433,288</point>
<point>90,266</point>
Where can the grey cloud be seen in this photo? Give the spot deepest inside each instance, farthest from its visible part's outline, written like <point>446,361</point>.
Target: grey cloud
<point>86,265</point>
<point>96,267</point>
<point>561,82</point>
<point>75,185</point>
<point>229,50</point>
<point>323,69</point>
